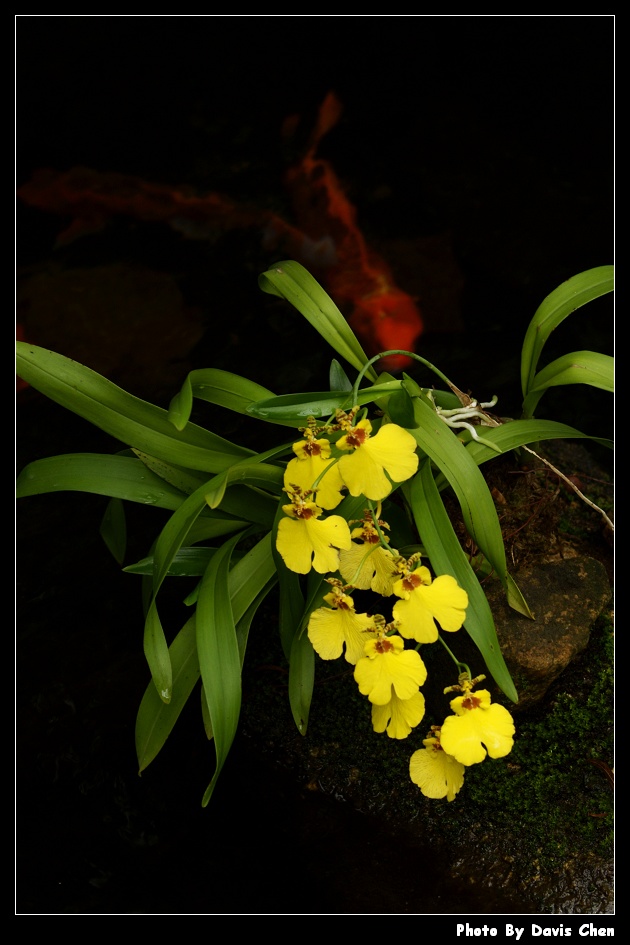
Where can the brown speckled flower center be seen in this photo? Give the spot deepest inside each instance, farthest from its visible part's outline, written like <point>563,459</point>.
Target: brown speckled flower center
<point>356,437</point>
<point>411,582</point>
<point>471,702</point>
<point>383,646</point>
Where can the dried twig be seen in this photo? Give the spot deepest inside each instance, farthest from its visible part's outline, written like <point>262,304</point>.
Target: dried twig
<point>572,485</point>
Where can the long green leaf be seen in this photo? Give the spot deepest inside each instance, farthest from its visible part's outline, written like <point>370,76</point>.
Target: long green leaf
<point>169,542</point>
<point>568,297</point>
<point>186,480</point>
<point>219,658</point>
<point>242,634</point>
<point>247,473</point>
<point>291,281</point>
<point>578,367</point>
<point>156,719</point>
<point>447,557</point>
<point>301,680</point>
<point>249,503</point>
<point>120,477</point>
<point>480,516</point>
<point>294,409</point>
<point>291,603</point>
<point>250,580</point>
<point>253,572</point>
<point>337,377</point>
<point>296,646</point>
<point>113,529</point>
<point>134,422</point>
<point>188,562</point>
<point>216,387</point>
<point>509,436</point>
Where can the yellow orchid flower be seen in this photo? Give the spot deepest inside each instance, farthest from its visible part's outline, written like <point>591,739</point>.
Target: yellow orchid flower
<point>425,600</point>
<point>330,628</point>
<point>386,663</point>
<point>477,723</point>
<point>392,449</point>
<point>398,716</point>
<point>312,459</point>
<point>436,773</point>
<point>304,542</point>
<point>368,565</point>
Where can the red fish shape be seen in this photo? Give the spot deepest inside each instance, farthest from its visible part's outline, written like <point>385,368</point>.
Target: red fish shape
<point>358,279</point>
<point>325,238</point>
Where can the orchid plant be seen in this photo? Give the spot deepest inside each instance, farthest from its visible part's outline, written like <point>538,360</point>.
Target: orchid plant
<point>311,516</point>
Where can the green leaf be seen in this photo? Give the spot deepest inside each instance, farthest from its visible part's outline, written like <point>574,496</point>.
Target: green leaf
<point>291,600</point>
<point>216,387</point>
<point>252,574</point>
<point>120,477</point>
<point>578,367</point>
<point>516,433</point>
<point>294,409</point>
<point>552,311</point>
<point>134,422</point>
<point>185,480</point>
<point>400,409</point>
<point>205,715</point>
<point>291,281</point>
<point>127,478</point>
<point>296,646</point>
<point>337,377</point>
<point>454,461</point>
<point>515,597</point>
<point>219,658</point>
<point>257,507</point>
<point>190,561</point>
<point>258,474</point>
<point>301,680</point>
<point>113,529</point>
<point>169,541</point>
<point>249,582</point>
<point>156,719</point>
<point>447,557</point>
<point>445,399</point>
<point>291,604</point>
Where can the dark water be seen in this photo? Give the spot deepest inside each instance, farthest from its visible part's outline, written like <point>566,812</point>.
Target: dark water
<point>503,143</point>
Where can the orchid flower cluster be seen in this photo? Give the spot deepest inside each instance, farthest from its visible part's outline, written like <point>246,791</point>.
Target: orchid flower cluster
<point>345,454</point>
<point>309,516</point>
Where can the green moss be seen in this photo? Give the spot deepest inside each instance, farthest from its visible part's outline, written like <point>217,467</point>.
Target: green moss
<point>548,788</point>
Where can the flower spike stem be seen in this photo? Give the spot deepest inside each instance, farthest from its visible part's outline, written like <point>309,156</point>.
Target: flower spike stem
<point>332,463</point>
<point>355,576</point>
<point>383,354</point>
<point>461,666</point>
<point>376,525</point>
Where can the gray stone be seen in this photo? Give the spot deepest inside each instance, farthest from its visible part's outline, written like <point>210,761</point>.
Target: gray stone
<point>565,598</point>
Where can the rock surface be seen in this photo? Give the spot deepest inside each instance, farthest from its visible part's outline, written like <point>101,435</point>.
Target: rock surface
<point>565,598</point>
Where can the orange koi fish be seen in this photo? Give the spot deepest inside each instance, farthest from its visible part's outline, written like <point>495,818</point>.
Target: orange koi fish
<point>325,236</point>
<point>358,279</point>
